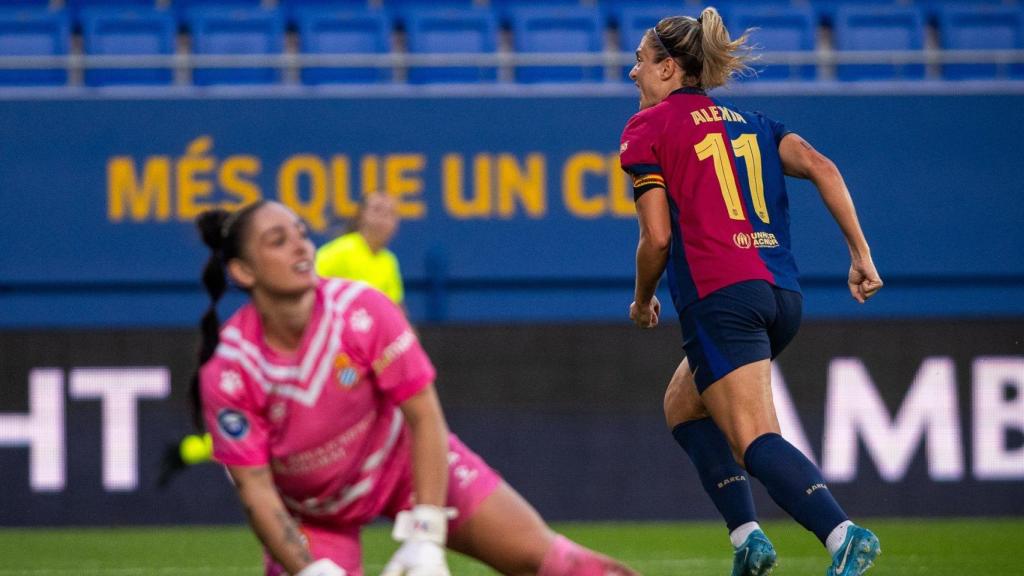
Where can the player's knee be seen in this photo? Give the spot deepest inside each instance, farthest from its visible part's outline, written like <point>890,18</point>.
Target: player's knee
<point>682,403</point>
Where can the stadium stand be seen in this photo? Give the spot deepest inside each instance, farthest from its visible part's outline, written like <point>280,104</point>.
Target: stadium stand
<point>34,32</point>
<point>778,29</point>
<point>963,27</point>
<point>553,30</point>
<point>128,32</point>
<point>266,42</point>
<point>879,28</point>
<point>466,31</point>
<point>340,31</point>
<point>236,31</point>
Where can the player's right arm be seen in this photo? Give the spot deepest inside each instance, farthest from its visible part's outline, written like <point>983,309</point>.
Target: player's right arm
<point>269,518</point>
<point>638,158</point>
<point>241,441</point>
<point>801,160</point>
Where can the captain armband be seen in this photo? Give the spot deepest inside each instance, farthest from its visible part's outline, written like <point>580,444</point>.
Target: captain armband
<point>644,182</point>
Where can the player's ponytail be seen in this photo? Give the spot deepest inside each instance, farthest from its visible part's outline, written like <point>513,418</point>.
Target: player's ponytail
<point>222,233</point>
<point>701,47</point>
<point>722,57</point>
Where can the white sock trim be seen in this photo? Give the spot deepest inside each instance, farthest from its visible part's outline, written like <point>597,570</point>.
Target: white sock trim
<point>837,536</point>
<point>739,535</point>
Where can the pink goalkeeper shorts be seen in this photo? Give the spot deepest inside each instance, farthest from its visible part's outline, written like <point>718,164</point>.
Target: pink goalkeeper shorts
<point>470,481</point>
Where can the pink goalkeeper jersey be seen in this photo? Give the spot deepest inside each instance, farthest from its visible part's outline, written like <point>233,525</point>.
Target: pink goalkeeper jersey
<point>325,420</point>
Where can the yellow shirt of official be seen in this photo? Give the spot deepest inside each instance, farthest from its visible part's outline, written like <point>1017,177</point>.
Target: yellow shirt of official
<point>349,256</point>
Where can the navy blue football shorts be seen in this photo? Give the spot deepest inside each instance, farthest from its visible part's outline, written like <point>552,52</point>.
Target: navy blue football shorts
<point>737,325</point>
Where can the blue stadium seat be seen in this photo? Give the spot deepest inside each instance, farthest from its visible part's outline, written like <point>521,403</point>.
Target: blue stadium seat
<point>293,9</point>
<point>109,32</point>
<point>879,29</point>
<point>553,30</point>
<point>76,8</point>
<point>506,8</point>
<point>826,10</point>
<point>184,8</point>
<point>633,21</point>
<point>979,28</point>
<point>932,8</point>
<point>34,32</point>
<point>242,31</point>
<point>341,31</point>
<point>778,29</point>
<point>9,5</point>
<point>470,31</point>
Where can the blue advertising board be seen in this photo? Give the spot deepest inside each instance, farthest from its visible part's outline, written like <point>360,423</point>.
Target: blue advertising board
<point>513,207</point>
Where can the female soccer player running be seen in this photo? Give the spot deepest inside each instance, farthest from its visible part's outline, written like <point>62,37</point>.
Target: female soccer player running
<point>321,404</point>
<point>711,201</point>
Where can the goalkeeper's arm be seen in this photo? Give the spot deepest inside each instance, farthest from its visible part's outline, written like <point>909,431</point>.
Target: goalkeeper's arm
<point>273,524</point>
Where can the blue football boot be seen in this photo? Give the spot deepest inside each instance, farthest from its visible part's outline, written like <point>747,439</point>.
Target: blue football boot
<point>856,555</point>
<point>756,557</point>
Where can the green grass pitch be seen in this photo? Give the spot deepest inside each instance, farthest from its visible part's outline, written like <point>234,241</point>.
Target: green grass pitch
<point>934,547</point>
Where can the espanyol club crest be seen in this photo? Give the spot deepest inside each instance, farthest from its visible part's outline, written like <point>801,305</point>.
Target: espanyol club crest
<point>346,374</point>
<point>232,424</point>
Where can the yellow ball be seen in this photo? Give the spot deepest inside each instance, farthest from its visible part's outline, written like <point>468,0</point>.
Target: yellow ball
<point>195,449</point>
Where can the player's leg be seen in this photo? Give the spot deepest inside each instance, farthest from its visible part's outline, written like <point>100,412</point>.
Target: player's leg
<point>508,535</point>
<point>722,478</point>
<point>498,527</point>
<point>741,404</point>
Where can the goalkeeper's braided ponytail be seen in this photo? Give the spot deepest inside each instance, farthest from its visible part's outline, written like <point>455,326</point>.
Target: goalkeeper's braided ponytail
<point>222,232</point>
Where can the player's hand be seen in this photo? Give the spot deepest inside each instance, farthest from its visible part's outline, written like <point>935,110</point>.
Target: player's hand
<point>322,567</point>
<point>863,280</point>
<point>645,316</point>
<point>417,559</point>
<point>423,532</point>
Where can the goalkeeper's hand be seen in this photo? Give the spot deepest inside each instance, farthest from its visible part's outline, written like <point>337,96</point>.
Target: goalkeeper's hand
<point>322,567</point>
<point>423,532</point>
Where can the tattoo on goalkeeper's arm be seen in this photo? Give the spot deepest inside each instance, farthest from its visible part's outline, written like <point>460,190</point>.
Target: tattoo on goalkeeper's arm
<point>292,536</point>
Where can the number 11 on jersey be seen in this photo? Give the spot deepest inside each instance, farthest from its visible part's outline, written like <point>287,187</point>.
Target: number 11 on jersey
<point>713,146</point>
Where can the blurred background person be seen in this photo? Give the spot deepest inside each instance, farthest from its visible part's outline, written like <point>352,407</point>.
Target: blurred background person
<point>362,253</point>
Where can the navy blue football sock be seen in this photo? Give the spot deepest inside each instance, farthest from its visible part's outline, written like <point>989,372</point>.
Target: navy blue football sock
<point>722,478</point>
<point>795,483</point>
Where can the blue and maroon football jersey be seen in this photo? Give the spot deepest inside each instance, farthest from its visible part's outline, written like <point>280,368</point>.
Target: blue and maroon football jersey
<point>726,192</point>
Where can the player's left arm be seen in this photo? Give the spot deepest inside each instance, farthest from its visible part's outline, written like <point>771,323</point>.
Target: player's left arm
<point>405,375</point>
<point>801,160</point>
<point>423,530</point>
<point>429,432</point>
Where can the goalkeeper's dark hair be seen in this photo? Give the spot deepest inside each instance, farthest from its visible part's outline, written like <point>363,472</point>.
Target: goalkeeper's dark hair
<point>223,233</point>
<point>701,47</point>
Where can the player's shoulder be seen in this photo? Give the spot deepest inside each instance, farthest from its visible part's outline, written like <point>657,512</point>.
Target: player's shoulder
<point>648,116</point>
<point>343,295</point>
<point>751,116</point>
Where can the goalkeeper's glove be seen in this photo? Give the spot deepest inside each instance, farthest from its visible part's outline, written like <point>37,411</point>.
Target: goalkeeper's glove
<point>423,532</point>
<point>322,567</point>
